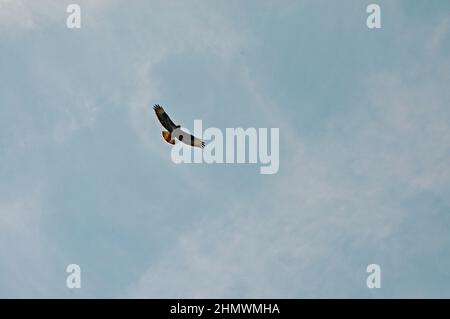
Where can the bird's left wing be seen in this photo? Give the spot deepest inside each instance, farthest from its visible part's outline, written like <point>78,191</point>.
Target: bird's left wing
<point>164,119</point>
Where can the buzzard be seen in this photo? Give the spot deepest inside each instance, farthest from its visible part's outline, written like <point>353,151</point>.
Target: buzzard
<point>175,131</point>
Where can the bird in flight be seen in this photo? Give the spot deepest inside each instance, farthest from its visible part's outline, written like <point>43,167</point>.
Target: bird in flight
<point>175,131</point>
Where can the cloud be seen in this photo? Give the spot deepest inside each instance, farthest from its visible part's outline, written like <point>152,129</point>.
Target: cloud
<point>293,241</point>
<point>190,28</point>
<point>341,203</point>
<point>25,15</point>
<point>28,257</point>
<point>342,199</point>
<point>22,16</point>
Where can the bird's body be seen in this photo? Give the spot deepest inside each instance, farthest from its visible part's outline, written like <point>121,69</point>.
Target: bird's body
<point>187,138</point>
<point>175,131</point>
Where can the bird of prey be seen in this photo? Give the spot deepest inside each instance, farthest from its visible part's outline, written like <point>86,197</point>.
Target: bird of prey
<point>175,131</point>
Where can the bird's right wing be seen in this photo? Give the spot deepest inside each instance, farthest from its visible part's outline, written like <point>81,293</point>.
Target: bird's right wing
<point>164,119</point>
<point>191,140</point>
<point>196,142</point>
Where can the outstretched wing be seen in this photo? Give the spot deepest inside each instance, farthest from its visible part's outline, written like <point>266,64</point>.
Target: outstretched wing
<point>164,119</point>
<point>189,139</point>
<point>196,142</point>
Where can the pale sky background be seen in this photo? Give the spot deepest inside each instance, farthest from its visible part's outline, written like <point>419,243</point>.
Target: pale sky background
<point>85,177</point>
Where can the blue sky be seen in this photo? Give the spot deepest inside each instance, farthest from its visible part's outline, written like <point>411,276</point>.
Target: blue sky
<point>86,178</point>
